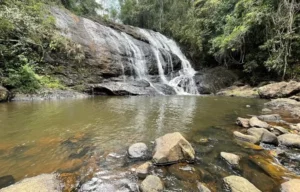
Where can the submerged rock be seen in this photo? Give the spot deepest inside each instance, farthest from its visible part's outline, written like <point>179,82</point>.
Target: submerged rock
<point>291,186</point>
<point>185,172</point>
<point>264,135</point>
<point>152,184</point>
<point>138,151</point>
<point>243,122</point>
<point>255,122</point>
<point>6,181</point>
<point>247,138</point>
<point>231,158</point>
<point>172,148</point>
<point>239,184</point>
<point>279,90</point>
<point>41,183</point>
<point>248,145</point>
<point>289,140</point>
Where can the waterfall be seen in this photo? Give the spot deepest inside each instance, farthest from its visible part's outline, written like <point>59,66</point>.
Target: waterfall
<point>184,83</point>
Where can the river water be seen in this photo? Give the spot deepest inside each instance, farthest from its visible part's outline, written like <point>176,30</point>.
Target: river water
<point>48,136</point>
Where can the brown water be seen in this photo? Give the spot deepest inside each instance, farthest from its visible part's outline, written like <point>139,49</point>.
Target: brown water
<point>42,137</point>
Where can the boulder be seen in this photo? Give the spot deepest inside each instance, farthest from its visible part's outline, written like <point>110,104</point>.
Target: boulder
<point>270,118</point>
<point>231,158</point>
<point>243,122</point>
<point>143,170</point>
<point>295,127</point>
<point>291,186</point>
<point>239,184</point>
<point>279,90</point>
<point>3,94</point>
<point>152,184</point>
<point>264,135</point>
<point>255,122</point>
<point>41,183</point>
<point>235,91</point>
<point>247,138</point>
<point>285,105</point>
<point>202,188</point>
<point>138,151</point>
<point>172,148</point>
<point>289,140</point>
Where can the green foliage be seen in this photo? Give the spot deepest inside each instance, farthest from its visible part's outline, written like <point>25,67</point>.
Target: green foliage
<point>261,36</point>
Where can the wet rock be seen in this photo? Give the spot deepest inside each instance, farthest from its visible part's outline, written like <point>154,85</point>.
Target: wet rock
<point>291,186</point>
<point>185,172</point>
<point>41,183</point>
<point>230,158</point>
<point>152,184</point>
<point>69,180</point>
<point>279,90</point>
<point>202,188</point>
<point>286,105</point>
<point>3,94</point>
<point>264,135</point>
<point>138,151</point>
<point>172,148</point>
<point>270,118</point>
<point>247,138</point>
<point>200,140</point>
<point>289,140</point>
<point>71,166</point>
<point>243,122</point>
<point>143,170</point>
<point>277,130</point>
<point>248,145</point>
<point>255,122</point>
<point>239,184</point>
<point>266,110</point>
<point>6,181</point>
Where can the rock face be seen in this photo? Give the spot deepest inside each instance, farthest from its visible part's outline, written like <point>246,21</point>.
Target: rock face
<point>289,140</point>
<point>255,122</point>
<point>138,151</point>
<point>247,138</point>
<point>288,105</point>
<point>264,135</point>
<point>279,90</point>
<point>41,183</point>
<point>152,184</point>
<point>239,184</point>
<point>3,94</point>
<point>291,186</point>
<point>231,158</point>
<point>172,148</point>
<point>243,122</point>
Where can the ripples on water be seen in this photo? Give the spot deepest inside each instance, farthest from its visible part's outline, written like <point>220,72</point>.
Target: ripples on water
<point>41,137</point>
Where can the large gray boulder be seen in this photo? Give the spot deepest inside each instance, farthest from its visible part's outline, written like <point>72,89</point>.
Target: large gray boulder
<point>287,105</point>
<point>3,94</point>
<point>152,183</point>
<point>172,148</point>
<point>247,138</point>
<point>40,183</point>
<point>289,140</point>
<point>239,184</point>
<point>291,186</point>
<point>138,151</point>
<point>264,135</point>
<point>255,122</point>
<point>279,90</point>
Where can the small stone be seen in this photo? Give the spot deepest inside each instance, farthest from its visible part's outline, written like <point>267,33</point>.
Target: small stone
<point>247,138</point>
<point>291,186</point>
<point>143,170</point>
<point>231,158</point>
<point>255,122</point>
<point>152,183</point>
<point>266,110</point>
<point>289,140</point>
<point>270,118</point>
<point>248,106</point>
<point>243,122</point>
<point>202,188</point>
<point>239,184</point>
<point>138,151</point>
